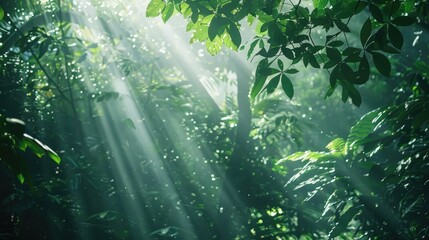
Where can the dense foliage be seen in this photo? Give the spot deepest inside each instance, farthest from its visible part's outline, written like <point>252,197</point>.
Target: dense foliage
<point>151,142</point>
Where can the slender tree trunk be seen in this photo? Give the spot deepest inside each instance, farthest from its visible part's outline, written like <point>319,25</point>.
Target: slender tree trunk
<point>233,214</point>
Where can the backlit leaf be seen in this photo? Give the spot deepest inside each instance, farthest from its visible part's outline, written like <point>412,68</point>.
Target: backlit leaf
<point>167,12</point>
<point>155,8</point>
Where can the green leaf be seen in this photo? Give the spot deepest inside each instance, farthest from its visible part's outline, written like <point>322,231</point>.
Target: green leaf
<point>44,47</point>
<point>313,61</point>
<point>291,71</point>
<point>342,26</point>
<point>167,12</point>
<point>217,27</point>
<point>38,148</point>
<point>354,95</point>
<point>1,13</point>
<point>395,36</point>
<point>381,63</point>
<point>376,13</point>
<point>333,54</point>
<point>155,8</point>
<point>347,10</point>
<point>344,94</point>
<point>272,85</point>
<point>129,123</point>
<point>365,32</point>
<point>337,145</point>
<point>365,126</point>
<point>252,48</point>
<point>364,71</point>
<point>214,47</point>
<point>82,58</point>
<point>287,53</point>
<point>260,77</point>
<point>54,156</point>
<point>280,64</point>
<point>235,34</point>
<point>344,221</point>
<point>347,72</point>
<point>34,145</point>
<point>329,92</point>
<point>336,43</point>
<point>320,4</point>
<point>403,21</point>
<point>335,74</point>
<point>287,86</point>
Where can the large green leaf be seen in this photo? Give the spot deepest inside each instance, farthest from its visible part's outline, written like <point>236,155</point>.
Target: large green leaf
<point>38,148</point>
<point>362,128</point>
<point>337,145</point>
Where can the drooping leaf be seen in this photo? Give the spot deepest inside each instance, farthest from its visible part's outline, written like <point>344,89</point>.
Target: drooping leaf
<point>216,27</point>
<point>280,64</point>
<point>364,71</point>
<point>287,86</point>
<point>395,36</point>
<point>38,148</point>
<point>272,85</point>
<point>167,12</point>
<point>365,32</point>
<point>235,34</point>
<point>382,63</point>
<point>342,26</point>
<point>252,47</point>
<point>376,13</point>
<point>260,77</point>
<point>354,95</point>
<point>335,74</point>
<point>344,94</point>
<point>287,52</point>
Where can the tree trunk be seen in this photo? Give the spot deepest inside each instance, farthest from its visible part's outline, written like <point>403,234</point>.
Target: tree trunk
<point>233,206</point>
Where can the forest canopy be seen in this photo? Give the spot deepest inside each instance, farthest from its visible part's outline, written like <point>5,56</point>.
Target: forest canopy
<point>116,124</point>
